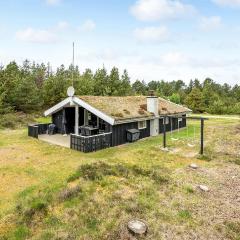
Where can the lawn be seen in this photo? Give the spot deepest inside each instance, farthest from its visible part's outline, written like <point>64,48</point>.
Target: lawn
<point>49,192</point>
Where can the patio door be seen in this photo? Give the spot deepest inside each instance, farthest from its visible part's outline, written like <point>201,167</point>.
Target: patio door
<point>70,119</point>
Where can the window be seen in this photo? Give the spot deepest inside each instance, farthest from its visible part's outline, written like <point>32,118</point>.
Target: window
<point>142,124</point>
<point>180,119</point>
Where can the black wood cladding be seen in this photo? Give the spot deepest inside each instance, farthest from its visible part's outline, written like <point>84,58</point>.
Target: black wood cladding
<point>174,122</point>
<point>90,143</point>
<point>35,129</point>
<point>119,132</point>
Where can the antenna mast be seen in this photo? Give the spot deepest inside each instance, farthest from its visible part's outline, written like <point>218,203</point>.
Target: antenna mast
<point>73,64</point>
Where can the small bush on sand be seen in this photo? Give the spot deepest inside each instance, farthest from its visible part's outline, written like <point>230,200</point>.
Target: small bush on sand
<point>21,233</point>
<point>27,209</point>
<point>36,206</point>
<point>237,161</point>
<point>233,230</point>
<point>189,189</point>
<point>96,171</point>
<point>184,214</point>
<point>69,193</point>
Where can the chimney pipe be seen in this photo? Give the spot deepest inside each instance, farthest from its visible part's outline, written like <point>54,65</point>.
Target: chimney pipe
<point>152,103</point>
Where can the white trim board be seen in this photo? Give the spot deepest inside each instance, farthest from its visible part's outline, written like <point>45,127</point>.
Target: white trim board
<point>81,103</point>
<point>58,106</point>
<point>93,110</point>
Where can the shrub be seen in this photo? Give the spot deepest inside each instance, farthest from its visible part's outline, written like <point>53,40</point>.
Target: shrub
<point>237,161</point>
<point>36,206</point>
<point>69,193</point>
<point>189,189</point>
<point>31,207</point>
<point>21,233</point>
<point>159,178</point>
<point>184,214</point>
<point>233,230</point>
<point>96,171</point>
<point>14,120</point>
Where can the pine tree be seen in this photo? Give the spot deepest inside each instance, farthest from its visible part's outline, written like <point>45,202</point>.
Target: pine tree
<point>139,87</point>
<point>85,84</point>
<point>113,82</point>
<point>100,82</point>
<point>195,101</point>
<point>55,87</point>
<point>125,85</point>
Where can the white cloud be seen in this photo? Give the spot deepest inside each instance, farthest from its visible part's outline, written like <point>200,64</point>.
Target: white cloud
<point>36,35</point>
<point>53,2</point>
<point>210,23</point>
<point>228,3</point>
<point>174,58</point>
<point>152,10</point>
<point>88,26</point>
<point>62,25</point>
<point>151,34</point>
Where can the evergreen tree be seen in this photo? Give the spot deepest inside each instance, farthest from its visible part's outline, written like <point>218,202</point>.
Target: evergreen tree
<point>113,82</point>
<point>85,84</point>
<point>175,97</point>
<point>31,86</point>
<point>26,96</point>
<point>139,88</point>
<point>153,85</point>
<point>55,87</point>
<point>190,87</point>
<point>10,79</point>
<point>100,82</point>
<point>195,101</point>
<point>125,85</point>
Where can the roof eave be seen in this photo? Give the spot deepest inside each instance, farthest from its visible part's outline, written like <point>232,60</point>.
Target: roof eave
<point>79,102</point>
<point>94,110</point>
<point>136,119</point>
<point>57,107</point>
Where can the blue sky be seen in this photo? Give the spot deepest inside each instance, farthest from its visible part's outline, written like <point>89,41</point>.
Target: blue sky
<point>152,39</point>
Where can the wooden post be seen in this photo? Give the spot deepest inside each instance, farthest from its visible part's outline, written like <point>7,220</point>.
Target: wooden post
<point>202,133</point>
<point>76,120</point>
<point>164,133</point>
<point>85,117</point>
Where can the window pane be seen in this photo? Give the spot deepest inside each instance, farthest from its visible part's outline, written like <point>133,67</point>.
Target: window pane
<point>142,124</point>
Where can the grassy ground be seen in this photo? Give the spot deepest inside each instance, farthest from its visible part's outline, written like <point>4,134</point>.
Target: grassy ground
<point>49,192</point>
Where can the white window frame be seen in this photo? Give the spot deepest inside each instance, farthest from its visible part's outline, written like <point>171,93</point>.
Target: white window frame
<point>180,119</point>
<point>144,124</point>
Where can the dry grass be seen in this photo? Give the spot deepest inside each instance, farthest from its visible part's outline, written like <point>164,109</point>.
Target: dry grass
<point>49,192</point>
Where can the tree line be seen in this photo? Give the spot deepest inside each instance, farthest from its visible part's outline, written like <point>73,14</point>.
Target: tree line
<point>31,87</point>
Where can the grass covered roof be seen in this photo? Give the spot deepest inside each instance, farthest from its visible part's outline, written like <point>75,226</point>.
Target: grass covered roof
<point>129,107</point>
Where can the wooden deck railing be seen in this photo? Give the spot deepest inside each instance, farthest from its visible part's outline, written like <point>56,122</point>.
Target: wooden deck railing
<point>35,129</point>
<point>91,143</point>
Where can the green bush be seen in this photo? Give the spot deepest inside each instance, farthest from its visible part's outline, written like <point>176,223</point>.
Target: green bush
<point>21,233</point>
<point>233,230</point>
<point>69,193</point>
<point>96,171</point>
<point>184,214</point>
<point>15,120</point>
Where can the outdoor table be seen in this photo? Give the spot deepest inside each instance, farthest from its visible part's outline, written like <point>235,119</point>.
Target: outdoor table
<point>89,130</point>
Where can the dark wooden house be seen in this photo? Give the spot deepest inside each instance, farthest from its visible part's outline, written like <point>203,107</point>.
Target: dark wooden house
<point>96,122</point>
